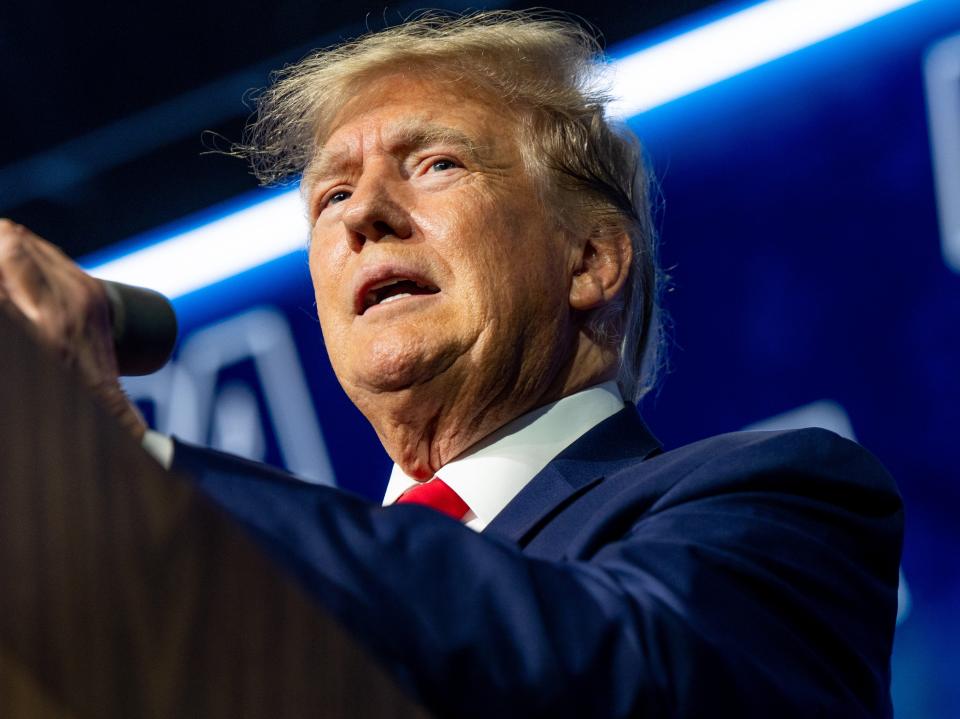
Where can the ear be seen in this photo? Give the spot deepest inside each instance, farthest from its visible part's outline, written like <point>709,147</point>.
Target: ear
<point>603,264</point>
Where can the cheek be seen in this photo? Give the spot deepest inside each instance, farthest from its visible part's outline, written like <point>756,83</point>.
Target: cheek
<point>323,272</point>
<point>479,233</point>
<point>524,262</point>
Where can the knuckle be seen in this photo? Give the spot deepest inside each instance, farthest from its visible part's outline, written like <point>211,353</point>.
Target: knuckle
<point>7,226</point>
<point>8,233</point>
<point>13,243</point>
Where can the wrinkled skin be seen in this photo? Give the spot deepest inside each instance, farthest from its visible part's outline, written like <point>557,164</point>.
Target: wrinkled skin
<point>417,180</point>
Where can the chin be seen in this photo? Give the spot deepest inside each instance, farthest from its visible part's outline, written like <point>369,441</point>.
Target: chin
<point>393,363</point>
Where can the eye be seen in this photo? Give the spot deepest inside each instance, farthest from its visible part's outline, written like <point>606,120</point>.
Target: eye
<point>337,197</point>
<point>334,198</point>
<point>441,165</point>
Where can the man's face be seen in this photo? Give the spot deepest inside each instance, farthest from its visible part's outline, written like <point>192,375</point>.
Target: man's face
<point>433,261</point>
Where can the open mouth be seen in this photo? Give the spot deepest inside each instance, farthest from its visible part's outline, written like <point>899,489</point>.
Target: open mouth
<point>396,288</point>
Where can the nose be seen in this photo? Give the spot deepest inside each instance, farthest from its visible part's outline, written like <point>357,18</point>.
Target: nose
<point>375,212</point>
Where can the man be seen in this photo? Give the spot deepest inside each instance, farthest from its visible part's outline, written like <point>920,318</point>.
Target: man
<point>482,256</point>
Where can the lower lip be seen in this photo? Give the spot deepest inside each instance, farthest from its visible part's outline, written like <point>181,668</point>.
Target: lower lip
<point>408,302</point>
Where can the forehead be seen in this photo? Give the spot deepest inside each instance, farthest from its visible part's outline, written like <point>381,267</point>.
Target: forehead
<point>396,110</point>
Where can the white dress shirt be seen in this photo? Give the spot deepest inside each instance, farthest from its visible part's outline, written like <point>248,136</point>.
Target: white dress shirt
<point>493,471</point>
<point>159,446</point>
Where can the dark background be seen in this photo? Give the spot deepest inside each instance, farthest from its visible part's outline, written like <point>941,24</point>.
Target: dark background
<point>798,221</point>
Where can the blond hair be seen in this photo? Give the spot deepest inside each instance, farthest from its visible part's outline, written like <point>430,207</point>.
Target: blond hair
<point>548,72</point>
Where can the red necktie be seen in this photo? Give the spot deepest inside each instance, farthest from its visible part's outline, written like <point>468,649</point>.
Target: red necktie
<point>438,495</point>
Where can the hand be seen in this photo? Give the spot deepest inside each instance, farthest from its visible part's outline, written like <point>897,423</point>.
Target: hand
<point>68,311</point>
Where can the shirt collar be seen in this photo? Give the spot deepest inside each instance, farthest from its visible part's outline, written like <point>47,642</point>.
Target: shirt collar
<point>493,471</point>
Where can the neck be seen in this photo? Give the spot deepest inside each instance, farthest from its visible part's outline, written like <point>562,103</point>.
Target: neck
<point>425,426</point>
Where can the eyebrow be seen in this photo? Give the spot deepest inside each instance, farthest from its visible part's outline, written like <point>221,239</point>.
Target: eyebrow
<point>401,139</point>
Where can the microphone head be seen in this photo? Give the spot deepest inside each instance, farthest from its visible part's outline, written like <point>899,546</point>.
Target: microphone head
<point>144,328</point>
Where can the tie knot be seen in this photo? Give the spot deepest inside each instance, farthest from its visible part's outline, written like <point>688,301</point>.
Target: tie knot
<point>436,494</point>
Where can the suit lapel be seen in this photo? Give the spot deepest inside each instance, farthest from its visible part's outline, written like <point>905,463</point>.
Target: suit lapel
<point>614,443</point>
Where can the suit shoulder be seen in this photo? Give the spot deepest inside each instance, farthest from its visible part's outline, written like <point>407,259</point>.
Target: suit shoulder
<point>809,447</point>
<point>810,461</point>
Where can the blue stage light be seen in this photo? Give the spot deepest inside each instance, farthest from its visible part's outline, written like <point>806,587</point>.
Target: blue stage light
<point>732,45</point>
<point>187,261</point>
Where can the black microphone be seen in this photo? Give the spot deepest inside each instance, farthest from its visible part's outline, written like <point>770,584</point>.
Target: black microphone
<point>144,328</point>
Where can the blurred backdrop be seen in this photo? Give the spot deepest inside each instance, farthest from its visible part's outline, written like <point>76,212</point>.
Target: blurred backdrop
<point>809,168</point>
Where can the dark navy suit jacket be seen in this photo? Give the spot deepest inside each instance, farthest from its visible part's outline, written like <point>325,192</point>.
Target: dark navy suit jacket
<point>748,575</point>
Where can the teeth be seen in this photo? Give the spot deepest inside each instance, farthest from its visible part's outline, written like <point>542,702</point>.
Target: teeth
<point>396,297</point>
<point>390,290</point>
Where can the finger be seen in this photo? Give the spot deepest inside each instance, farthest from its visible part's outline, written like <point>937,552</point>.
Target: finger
<point>12,303</point>
<point>29,284</point>
<point>80,300</point>
<point>10,309</point>
<point>64,272</point>
<point>20,266</point>
<point>76,312</point>
<point>78,288</point>
<point>49,251</point>
<point>47,286</point>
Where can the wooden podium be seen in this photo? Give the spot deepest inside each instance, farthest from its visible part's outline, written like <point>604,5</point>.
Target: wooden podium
<point>124,593</point>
